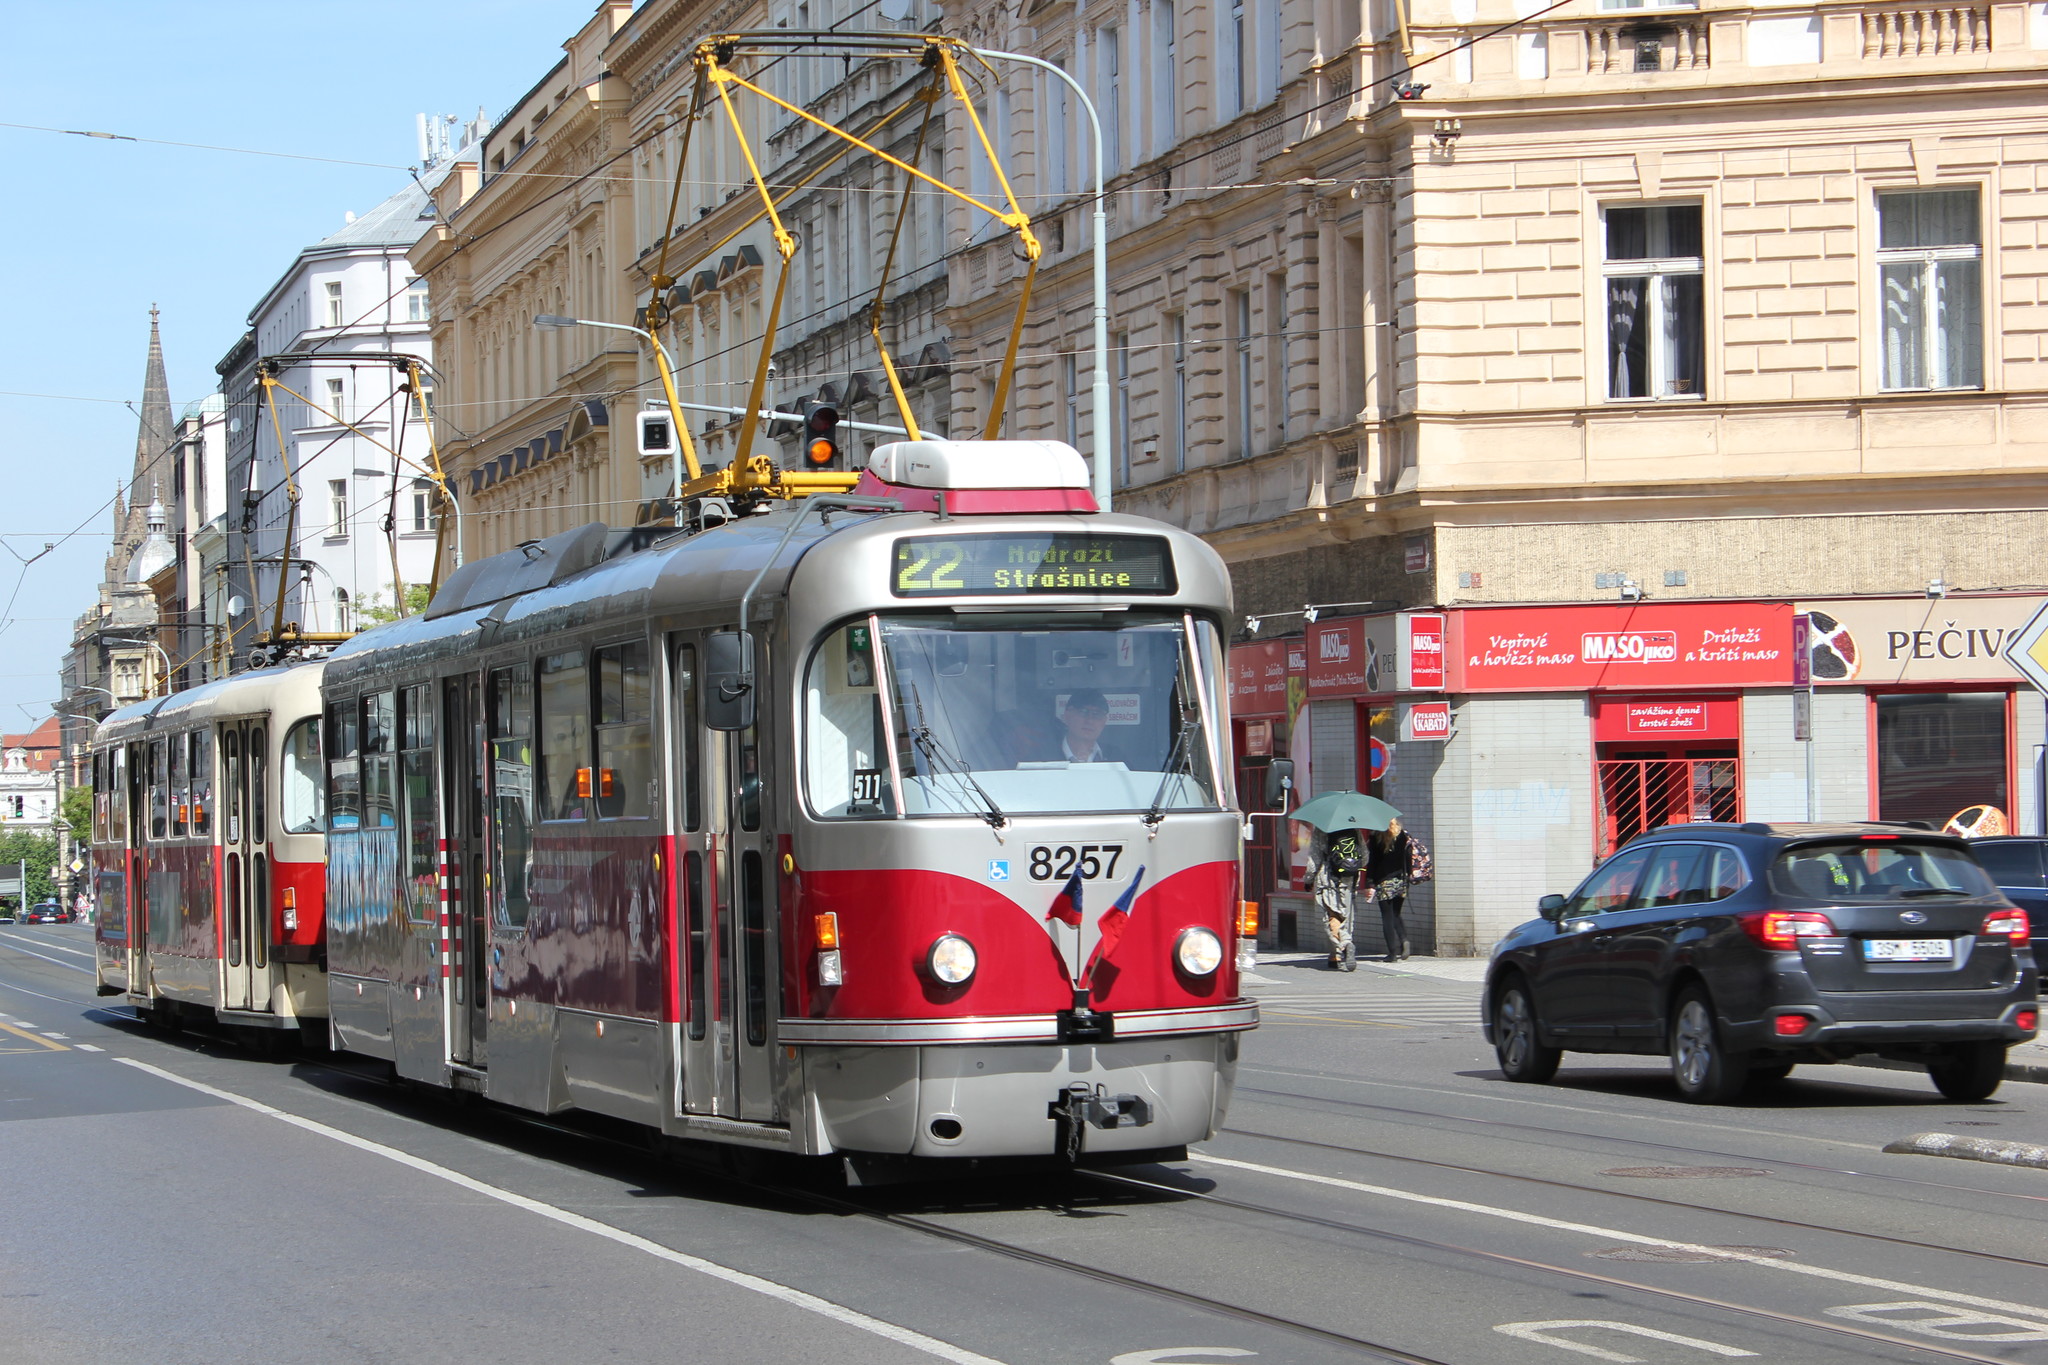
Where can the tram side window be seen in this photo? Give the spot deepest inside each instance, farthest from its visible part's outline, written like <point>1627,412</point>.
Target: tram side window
<point>259,787</point>
<point>344,769</point>
<point>625,762</point>
<point>565,784</point>
<point>380,740</point>
<point>846,763</point>
<point>117,797</point>
<point>159,817</point>
<point>511,791</point>
<point>202,783</point>
<point>300,786</point>
<point>686,726</point>
<point>181,787</point>
<point>100,798</point>
<point>416,787</point>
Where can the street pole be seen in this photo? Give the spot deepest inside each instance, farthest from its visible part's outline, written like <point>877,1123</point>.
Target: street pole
<point>1101,255</point>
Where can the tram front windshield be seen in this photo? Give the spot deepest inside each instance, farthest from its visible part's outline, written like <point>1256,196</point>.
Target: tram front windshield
<point>1016,714</point>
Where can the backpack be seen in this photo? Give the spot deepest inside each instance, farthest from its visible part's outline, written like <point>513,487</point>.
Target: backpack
<point>1346,852</point>
<point>1421,867</point>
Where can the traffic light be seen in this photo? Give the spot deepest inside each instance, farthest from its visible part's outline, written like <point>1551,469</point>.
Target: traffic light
<point>821,448</point>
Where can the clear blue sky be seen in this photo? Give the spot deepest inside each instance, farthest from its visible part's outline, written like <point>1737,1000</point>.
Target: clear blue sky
<point>93,232</point>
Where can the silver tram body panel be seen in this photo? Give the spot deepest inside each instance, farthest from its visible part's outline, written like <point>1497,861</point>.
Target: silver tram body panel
<point>808,1086</point>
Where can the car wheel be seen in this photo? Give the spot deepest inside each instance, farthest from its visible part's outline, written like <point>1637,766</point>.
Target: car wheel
<point>1705,1070</point>
<point>1517,1041</point>
<point>1968,1072</point>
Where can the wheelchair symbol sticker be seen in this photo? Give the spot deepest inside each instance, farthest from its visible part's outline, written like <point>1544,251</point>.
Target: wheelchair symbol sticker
<point>999,869</point>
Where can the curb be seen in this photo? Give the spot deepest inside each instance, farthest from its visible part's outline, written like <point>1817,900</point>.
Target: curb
<point>1972,1149</point>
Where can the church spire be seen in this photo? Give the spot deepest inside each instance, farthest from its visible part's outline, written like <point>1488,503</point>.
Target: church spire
<point>153,436</point>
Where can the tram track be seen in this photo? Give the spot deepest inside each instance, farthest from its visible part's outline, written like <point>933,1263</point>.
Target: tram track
<point>1634,1197</point>
<point>1612,1282</point>
<point>1575,1135</point>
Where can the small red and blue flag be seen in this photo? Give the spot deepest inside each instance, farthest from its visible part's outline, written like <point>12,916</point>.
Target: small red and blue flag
<point>1109,929</point>
<point>1066,907</point>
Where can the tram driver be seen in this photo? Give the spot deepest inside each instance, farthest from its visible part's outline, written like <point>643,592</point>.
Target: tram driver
<point>1082,720</point>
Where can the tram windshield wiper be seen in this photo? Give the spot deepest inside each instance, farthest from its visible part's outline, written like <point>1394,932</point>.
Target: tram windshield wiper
<point>943,760</point>
<point>1178,760</point>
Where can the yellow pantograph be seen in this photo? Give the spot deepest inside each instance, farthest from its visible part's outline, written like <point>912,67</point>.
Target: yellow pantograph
<point>719,80</point>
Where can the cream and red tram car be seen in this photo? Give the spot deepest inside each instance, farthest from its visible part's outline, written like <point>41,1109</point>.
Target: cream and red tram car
<point>859,895</point>
<point>206,851</point>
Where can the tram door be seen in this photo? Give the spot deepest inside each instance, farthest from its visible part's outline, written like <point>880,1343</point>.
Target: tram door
<point>726,960</point>
<point>131,763</point>
<point>245,872</point>
<point>462,818</point>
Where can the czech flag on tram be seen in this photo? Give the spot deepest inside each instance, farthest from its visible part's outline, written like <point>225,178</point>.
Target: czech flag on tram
<point>1066,907</point>
<point>1109,930</point>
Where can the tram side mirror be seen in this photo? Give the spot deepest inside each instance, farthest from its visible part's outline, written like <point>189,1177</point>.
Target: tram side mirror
<point>729,680</point>
<point>1279,782</point>
<point>1551,908</point>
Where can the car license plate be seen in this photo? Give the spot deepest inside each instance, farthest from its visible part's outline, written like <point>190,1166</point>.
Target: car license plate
<point>1908,950</point>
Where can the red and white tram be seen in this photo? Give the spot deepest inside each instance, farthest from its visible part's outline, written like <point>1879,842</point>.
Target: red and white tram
<point>898,830</point>
<point>207,837</point>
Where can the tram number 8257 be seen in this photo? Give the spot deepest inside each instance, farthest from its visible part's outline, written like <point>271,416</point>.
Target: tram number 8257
<point>1057,863</point>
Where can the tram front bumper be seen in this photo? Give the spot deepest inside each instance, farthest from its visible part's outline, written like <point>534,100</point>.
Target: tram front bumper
<point>1001,1100</point>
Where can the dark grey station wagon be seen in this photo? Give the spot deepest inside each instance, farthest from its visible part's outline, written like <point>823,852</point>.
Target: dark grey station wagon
<point>1742,951</point>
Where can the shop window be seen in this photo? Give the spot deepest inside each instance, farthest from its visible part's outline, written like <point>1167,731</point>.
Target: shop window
<point>1944,757</point>
<point>1641,792</point>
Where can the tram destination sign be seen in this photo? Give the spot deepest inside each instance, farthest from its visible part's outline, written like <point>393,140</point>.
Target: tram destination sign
<point>1011,565</point>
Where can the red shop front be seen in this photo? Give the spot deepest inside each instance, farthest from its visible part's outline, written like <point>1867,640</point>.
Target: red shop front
<point>1664,686</point>
<point>1267,687</point>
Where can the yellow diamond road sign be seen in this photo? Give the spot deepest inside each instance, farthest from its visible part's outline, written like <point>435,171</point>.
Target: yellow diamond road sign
<point>2029,650</point>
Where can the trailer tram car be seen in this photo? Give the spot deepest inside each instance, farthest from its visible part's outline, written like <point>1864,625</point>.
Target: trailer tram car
<point>773,831</point>
<point>207,833</point>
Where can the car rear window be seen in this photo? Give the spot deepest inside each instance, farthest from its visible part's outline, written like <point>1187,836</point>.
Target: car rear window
<point>2010,864</point>
<point>1864,870</point>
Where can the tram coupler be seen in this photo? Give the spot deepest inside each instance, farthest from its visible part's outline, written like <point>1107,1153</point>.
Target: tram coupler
<point>1080,1107</point>
<point>1084,1025</point>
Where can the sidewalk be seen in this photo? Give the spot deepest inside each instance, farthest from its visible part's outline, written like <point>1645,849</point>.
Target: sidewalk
<point>2027,1061</point>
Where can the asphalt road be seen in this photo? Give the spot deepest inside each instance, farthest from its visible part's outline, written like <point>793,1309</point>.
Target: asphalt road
<point>1381,1194</point>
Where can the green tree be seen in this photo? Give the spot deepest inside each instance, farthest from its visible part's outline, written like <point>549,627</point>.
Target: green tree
<point>39,851</point>
<point>78,812</point>
<point>375,613</point>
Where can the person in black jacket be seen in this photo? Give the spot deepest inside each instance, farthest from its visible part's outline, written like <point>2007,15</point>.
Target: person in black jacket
<point>1389,868</point>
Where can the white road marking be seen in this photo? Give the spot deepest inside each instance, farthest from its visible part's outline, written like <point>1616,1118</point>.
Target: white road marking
<point>88,1047</point>
<point>1178,1355</point>
<point>61,963</point>
<point>47,1034</point>
<point>1936,1320</point>
<point>796,1298</point>
<point>1541,1331</point>
<point>1776,1266</point>
<point>45,943</point>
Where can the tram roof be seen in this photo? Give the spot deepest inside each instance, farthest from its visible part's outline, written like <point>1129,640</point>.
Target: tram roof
<point>288,691</point>
<point>591,575</point>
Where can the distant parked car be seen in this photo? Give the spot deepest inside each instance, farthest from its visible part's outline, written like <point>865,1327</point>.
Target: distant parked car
<point>2016,864</point>
<point>1744,950</point>
<point>44,912</point>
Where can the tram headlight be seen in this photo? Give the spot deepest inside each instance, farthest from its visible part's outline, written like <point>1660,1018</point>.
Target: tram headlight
<point>1199,951</point>
<point>951,959</point>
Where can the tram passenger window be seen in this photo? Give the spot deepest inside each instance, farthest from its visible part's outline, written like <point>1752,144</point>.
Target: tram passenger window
<point>259,785</point>
<point>624,781</point>
<point>380,739</point>
<point>117,797</point>
<point>565,776</point>
<point>233,787</point>
<point>299,786</point>
<point>686,726</point>
<point>181,788</point>
<point>159,809</point>
<point>416,778</point>
<point>202,783</point>
<point>511,791</point>
<point>846,764</point>
<point>344,769</point>
<point>101,798</point>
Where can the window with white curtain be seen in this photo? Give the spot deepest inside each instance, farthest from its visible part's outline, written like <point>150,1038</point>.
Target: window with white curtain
<point>1656,322</point>
<point>1930,267</point>
<point>1233,39</point>
<point>337,507</point>
<point>333,291</point>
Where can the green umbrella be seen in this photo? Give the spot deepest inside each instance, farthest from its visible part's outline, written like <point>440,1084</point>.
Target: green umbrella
<point>1333,811</point>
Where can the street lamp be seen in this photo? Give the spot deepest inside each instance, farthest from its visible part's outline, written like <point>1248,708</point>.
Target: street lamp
<point>1101,261</point>
<point>668,387</point>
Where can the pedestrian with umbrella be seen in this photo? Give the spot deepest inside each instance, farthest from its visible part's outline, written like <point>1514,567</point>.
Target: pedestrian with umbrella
<point>1343,817</point>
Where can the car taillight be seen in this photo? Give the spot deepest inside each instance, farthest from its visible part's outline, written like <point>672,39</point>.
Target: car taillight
<point>2012,924</point>
<point>1782,929</point>
<point>1790,1025</point>
<point>2026,1019</point>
